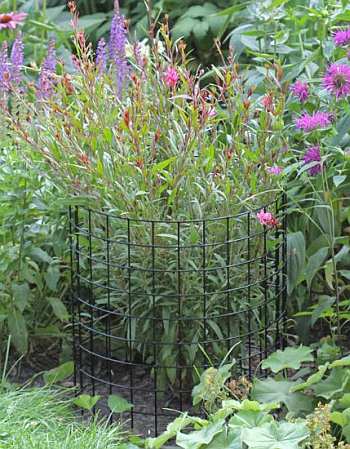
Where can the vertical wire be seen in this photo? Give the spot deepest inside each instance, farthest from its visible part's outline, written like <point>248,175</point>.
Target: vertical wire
<point>248,300</point>
<point>131,375</point>
<point>154,332</point>
<point>72,295</point>
<point>265,296</point>
<point>179,314</point>
<point>228,283</point>
<point>91,294</point>
<point>204,287</point>
<point>77,257</point>
<point>277,280</point>
<point>285,267</point>
<point>108,320</point>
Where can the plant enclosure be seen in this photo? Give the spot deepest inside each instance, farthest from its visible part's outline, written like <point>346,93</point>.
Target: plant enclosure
<point>158,301</point>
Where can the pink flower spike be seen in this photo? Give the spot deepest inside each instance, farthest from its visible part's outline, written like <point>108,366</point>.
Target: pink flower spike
<point>337,80</point>
<point>171,77</point>
<point>300,90</point>
<point>274,170</point>
<point>10,20</point>
<point>317,120</point>
<point>267,219</point>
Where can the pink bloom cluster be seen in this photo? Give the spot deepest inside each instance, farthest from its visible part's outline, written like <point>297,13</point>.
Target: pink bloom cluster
<point>267,219</point>
<point>342,37</point>
<point>171,77</point>
<point>337,80</point>
<point>10,20</point>
<point>274,170</point>
<point>313,155</point>
<point>316,120</point>
<point>300,90</point>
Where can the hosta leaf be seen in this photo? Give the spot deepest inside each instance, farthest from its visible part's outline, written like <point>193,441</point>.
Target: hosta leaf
<point>289,358</point>
<point>271,390</point>
<point>275,436</point>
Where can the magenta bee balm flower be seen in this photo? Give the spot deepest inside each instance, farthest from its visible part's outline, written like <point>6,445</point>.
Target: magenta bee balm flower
<point>313,155</point>
<point>10,20</point>
<point>337,80</point>
<point>317,120</point>
<point>300,90</point>
<point>342,37</point>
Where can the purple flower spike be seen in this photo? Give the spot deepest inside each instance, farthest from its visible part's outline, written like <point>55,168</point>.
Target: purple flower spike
<point>341,37</point>
<point>117,52</point>
<point>17,60</point>
<point>337,80</point>
<point>47,72</point>
<point>300,90</point>
<point>4,69</point>
<point>313,155</point>
<point>101,56</point>
<point>317,120</point>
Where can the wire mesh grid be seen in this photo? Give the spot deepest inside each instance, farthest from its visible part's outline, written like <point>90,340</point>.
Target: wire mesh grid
<point>156,302</point>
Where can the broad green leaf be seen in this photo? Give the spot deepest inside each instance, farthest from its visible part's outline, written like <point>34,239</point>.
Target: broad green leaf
<point>40,255</point>
<point>172,429</point>
<point>18,330</point>
<point>59,309</point>
<point>271,390</point>
<point>344,401</point>
<point>52,277</point>
<point>288,358</point>
<point>339,418</point>
<point>60,373</point>
<point>226,440</point>
<point>295,258</point>
<point>248,405</point>
<point>21,295</point>
<point>313,379</point>
<point>333,384</point>
<point>194,440</point>
<point>86,401</point>
<point>338,179</point>
<point>314,263</point>
<point>274,435</point>
<point>117,404</point>
<point>249,419</point>
<point>345,361</point>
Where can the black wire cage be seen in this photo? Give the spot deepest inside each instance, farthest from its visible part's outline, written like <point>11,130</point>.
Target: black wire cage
<point>156,302</point>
